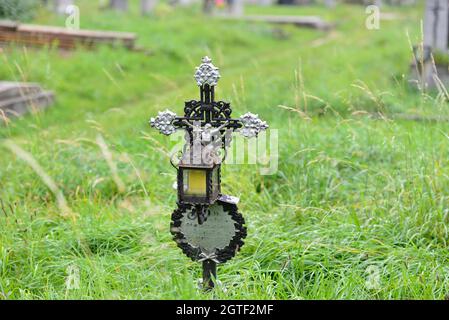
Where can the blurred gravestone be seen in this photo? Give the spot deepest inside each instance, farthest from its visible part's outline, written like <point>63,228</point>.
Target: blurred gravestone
<point>261,2</point>
<point>18,98</point>
<point>119,5</point>
<point>236,7</point>
<point>430,66</point>
<point>60,6</point>
<point>330,3</point>
<point>295,2</point>
<point>147,6</point>
<point>379,2</point>
<point>208,6</point>
<point>401,2</point>
<point>184,3</point>
<point>436,24</point>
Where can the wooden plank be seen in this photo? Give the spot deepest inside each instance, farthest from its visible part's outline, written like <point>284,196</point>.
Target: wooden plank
<point>36,40</point>
<point>63,37</point>
<point>31,28</point>
<point>7,25</point>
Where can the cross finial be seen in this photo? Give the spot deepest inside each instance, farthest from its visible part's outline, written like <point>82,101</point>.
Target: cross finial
<point>207,73</point>
<point>206,59</point>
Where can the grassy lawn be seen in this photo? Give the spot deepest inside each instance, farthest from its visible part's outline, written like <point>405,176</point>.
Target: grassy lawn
<point>358,208</point>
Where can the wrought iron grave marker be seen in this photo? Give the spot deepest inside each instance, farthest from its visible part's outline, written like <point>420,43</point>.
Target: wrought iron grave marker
<point>206,225</point>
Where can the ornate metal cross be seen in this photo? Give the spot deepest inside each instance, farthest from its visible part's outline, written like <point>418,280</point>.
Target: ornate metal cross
<point>206,225</point>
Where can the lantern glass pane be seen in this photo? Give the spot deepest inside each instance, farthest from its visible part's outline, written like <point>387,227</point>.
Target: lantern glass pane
<point>194,182</point>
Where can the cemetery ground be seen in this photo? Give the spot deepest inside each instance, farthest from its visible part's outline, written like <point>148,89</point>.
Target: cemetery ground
<point>358,207</point>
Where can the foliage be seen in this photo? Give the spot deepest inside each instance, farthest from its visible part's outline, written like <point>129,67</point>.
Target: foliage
<point>441,58</point>
<point>17,9</point>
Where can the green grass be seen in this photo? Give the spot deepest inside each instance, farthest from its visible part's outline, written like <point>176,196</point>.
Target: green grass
<point>350,194</point>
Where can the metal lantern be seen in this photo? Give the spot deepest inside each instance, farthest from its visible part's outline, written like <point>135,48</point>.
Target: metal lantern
<point>198,183</point>
<point>206,225</point>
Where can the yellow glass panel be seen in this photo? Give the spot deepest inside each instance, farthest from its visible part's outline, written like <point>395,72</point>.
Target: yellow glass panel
<point>196,182</point>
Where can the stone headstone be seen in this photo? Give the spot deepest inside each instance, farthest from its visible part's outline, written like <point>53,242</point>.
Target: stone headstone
<point>60,6</point>
<point>17,98</point>
<point>119,5</point>
<point>426,75</point>
<point>147,6</point>
<point>436,25</point>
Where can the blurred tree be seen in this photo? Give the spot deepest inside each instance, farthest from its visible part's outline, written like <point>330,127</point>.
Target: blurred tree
<point>17,9</point>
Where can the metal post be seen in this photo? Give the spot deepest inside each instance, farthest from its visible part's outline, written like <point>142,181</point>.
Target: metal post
<point>209,274</point>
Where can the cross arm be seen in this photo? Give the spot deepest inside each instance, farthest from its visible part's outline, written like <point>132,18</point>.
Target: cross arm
<point>249,125</point>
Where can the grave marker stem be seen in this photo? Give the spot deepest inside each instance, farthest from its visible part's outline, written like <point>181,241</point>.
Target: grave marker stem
<point>209,274</point>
